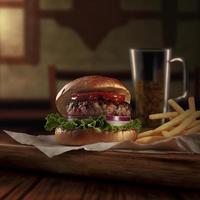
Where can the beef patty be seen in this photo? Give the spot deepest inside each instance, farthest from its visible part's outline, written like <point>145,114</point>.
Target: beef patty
<point>96,108</point>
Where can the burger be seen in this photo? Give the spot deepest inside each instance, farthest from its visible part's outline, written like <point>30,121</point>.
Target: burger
<point>93,109</point>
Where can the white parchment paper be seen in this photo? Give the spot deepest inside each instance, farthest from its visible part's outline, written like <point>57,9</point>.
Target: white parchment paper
<point>48,145</point>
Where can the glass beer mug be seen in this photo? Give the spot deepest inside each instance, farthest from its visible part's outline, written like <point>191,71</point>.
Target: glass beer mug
<point>151,80</point>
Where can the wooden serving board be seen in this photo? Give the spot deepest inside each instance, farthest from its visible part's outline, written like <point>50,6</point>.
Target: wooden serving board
<point>164,169</point>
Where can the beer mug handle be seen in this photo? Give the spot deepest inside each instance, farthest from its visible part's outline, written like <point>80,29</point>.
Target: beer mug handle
<point>185,78</point>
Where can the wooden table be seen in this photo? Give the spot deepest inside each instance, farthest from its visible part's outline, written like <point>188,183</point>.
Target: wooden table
<point>31,186</point>
<point>26,173</point>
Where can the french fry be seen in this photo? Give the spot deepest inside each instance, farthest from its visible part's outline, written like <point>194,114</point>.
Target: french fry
<point>163,115</point>
<point>175,106</point>
<point>147,133</point>
<point>171,118</point>
<point>177,120</point>
<point>195,123</point>
<point>180,122</point>
<point>164,132</point>
<point>193,129</point>
<point>181,127</point>
<point>149,139</point>
<point>191,103</point>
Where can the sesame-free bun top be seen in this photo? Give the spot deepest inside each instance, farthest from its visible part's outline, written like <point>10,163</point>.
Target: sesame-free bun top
<point>89,84</point>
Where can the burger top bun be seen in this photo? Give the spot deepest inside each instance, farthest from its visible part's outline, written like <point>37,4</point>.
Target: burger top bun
<point>89,84</point>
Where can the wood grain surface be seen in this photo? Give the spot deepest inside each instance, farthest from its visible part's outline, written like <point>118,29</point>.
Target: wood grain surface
<point>20,185</point>
<point>15,185</point>
<point>161,169</point>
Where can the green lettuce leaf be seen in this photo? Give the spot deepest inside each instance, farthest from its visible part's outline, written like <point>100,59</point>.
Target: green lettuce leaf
<point>54,120</point>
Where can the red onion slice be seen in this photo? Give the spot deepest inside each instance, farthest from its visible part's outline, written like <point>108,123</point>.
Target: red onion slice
<point>117,118</point>
<point>111,119</point>
<point>117,123</point>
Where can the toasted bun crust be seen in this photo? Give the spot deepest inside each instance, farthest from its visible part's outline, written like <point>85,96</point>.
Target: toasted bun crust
<point>89,84</point>
<point>89,136</point>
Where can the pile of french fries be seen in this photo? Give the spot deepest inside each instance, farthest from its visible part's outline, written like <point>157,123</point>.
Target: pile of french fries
<point>179,122</point>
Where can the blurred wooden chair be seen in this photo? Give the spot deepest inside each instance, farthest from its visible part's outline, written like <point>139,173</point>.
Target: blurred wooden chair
<point>11,109</point>
<point>196,76</point>
<point>24,115</point>
<point>56,75</point>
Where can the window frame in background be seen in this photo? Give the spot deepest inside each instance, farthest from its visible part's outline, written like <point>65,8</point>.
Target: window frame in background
<point>31,32</point>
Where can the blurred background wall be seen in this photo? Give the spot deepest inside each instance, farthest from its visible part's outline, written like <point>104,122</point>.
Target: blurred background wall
<point>73,47</point>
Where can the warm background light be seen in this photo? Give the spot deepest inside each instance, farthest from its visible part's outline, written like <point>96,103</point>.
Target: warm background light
<point>11,32</point>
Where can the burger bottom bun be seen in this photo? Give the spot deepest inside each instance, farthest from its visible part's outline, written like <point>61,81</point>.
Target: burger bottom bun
<point>89,136</point>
